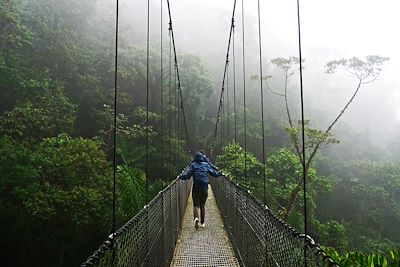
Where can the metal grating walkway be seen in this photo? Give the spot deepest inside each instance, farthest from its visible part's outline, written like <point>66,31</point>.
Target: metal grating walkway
<point>209,246</point>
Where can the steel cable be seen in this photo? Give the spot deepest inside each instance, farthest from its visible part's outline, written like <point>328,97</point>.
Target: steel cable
<point>244,94</point>
<point>302,131</point>
<point>178,77</point>
<point>115,129</point>
<point>223,80</point>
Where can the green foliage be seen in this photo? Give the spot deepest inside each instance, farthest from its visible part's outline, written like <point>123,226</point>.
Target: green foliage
<point>365,200</point>
<point>313,137</point>
<point>358,259</point>
<point>131,192</point>
<point>62,181</point>
<point>331,233</point>
<point>45,115</point>
<point>283,176</point>
<point>57,77</point>
<point>232,163</point>
<point>197,87</point>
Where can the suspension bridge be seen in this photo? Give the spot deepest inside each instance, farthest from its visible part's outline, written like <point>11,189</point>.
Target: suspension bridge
<point>240,229</point>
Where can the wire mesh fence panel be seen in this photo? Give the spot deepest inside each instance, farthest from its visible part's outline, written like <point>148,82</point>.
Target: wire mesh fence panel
<point>149,238</point>
<point>260,237</point>
<point>168,243</point>
<point>155,233</point>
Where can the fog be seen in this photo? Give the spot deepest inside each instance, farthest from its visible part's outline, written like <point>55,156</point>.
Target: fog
<point>330,30</point>
<point>60,145</point>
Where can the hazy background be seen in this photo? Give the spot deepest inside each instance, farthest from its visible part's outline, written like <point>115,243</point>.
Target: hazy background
<point>330,30</point>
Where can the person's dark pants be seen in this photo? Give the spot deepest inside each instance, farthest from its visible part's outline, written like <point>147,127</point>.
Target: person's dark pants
<point>199,202</point>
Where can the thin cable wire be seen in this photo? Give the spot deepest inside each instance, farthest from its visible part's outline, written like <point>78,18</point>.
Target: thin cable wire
<point>227,104</point>
<point>262,99</point>
<point>222,122</point>
<point>223,79</point>
<point>234,79</point>
<point>303,135</point>
<point>161,87</point>
<point>262,123</point>
<point>178,77</point>
<point>147,99</point>
<point>170,94</point>
<point>115,130</point>
<point>244,95</point>
<point>176,116</point>
<point>178,127</point>
<point>161,119</point>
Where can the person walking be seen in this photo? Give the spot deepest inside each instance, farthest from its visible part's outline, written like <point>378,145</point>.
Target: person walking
<point>199,169</point>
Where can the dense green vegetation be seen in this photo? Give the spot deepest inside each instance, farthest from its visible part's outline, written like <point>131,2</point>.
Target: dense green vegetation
<point>353,202</point>
<point>358,259</point>
<point>56,141</point>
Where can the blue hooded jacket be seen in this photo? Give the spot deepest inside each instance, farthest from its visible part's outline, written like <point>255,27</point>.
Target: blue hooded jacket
<point>205,159</point>
<point>199,169</point>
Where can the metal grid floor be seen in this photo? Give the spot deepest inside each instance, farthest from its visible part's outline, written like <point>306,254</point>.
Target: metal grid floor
<point>209,246</point>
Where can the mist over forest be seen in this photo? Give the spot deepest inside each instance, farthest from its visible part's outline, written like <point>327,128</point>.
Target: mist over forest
<point>57,63</point>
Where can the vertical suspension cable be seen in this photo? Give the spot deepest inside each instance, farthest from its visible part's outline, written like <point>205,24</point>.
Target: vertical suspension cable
<point>162,126</point>
<point>170,95</point>
<point>223,80</point>
<point>222,122</point>
<point>262,100</point>
<point>262,124</point>
<point>303,135</point>
<point>234,88</point>
<point>178,129</point>
<point>244,94</point>
<point>234,80</point>
<point>178,78</point>
<point>115,131</point>
<point>227,103</point>
<point>147,99</point>
<point>175,116</point>
<point>161,87</point>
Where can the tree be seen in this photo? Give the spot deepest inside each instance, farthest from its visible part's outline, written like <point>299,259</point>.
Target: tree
<point>364,71</point>
<point>366,199</point>
<point>284,171</point>
<point>59,193</point>
<point>232,161</point>
<point>196,87</point>
<point>46,114</point>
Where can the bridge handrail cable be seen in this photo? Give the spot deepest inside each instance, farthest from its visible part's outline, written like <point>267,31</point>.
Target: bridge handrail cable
<point>160,220</point>
<point>259,237</point>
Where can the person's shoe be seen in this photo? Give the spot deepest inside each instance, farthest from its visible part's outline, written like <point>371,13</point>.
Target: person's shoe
<point>196,223</point>
<point>202,225</point>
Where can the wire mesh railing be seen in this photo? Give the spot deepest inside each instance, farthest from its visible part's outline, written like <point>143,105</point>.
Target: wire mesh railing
<point>259,237</point>
<point>149,238</point>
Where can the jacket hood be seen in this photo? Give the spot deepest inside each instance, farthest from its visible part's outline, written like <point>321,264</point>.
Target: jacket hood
<point>198,157</point>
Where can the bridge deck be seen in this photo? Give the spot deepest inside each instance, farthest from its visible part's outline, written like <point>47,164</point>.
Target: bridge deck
<point>209,246</point>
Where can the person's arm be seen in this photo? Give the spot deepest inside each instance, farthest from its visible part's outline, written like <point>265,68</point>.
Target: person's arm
<point>188,174</point>
<point>209,162</point>
<point>213,171</point>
